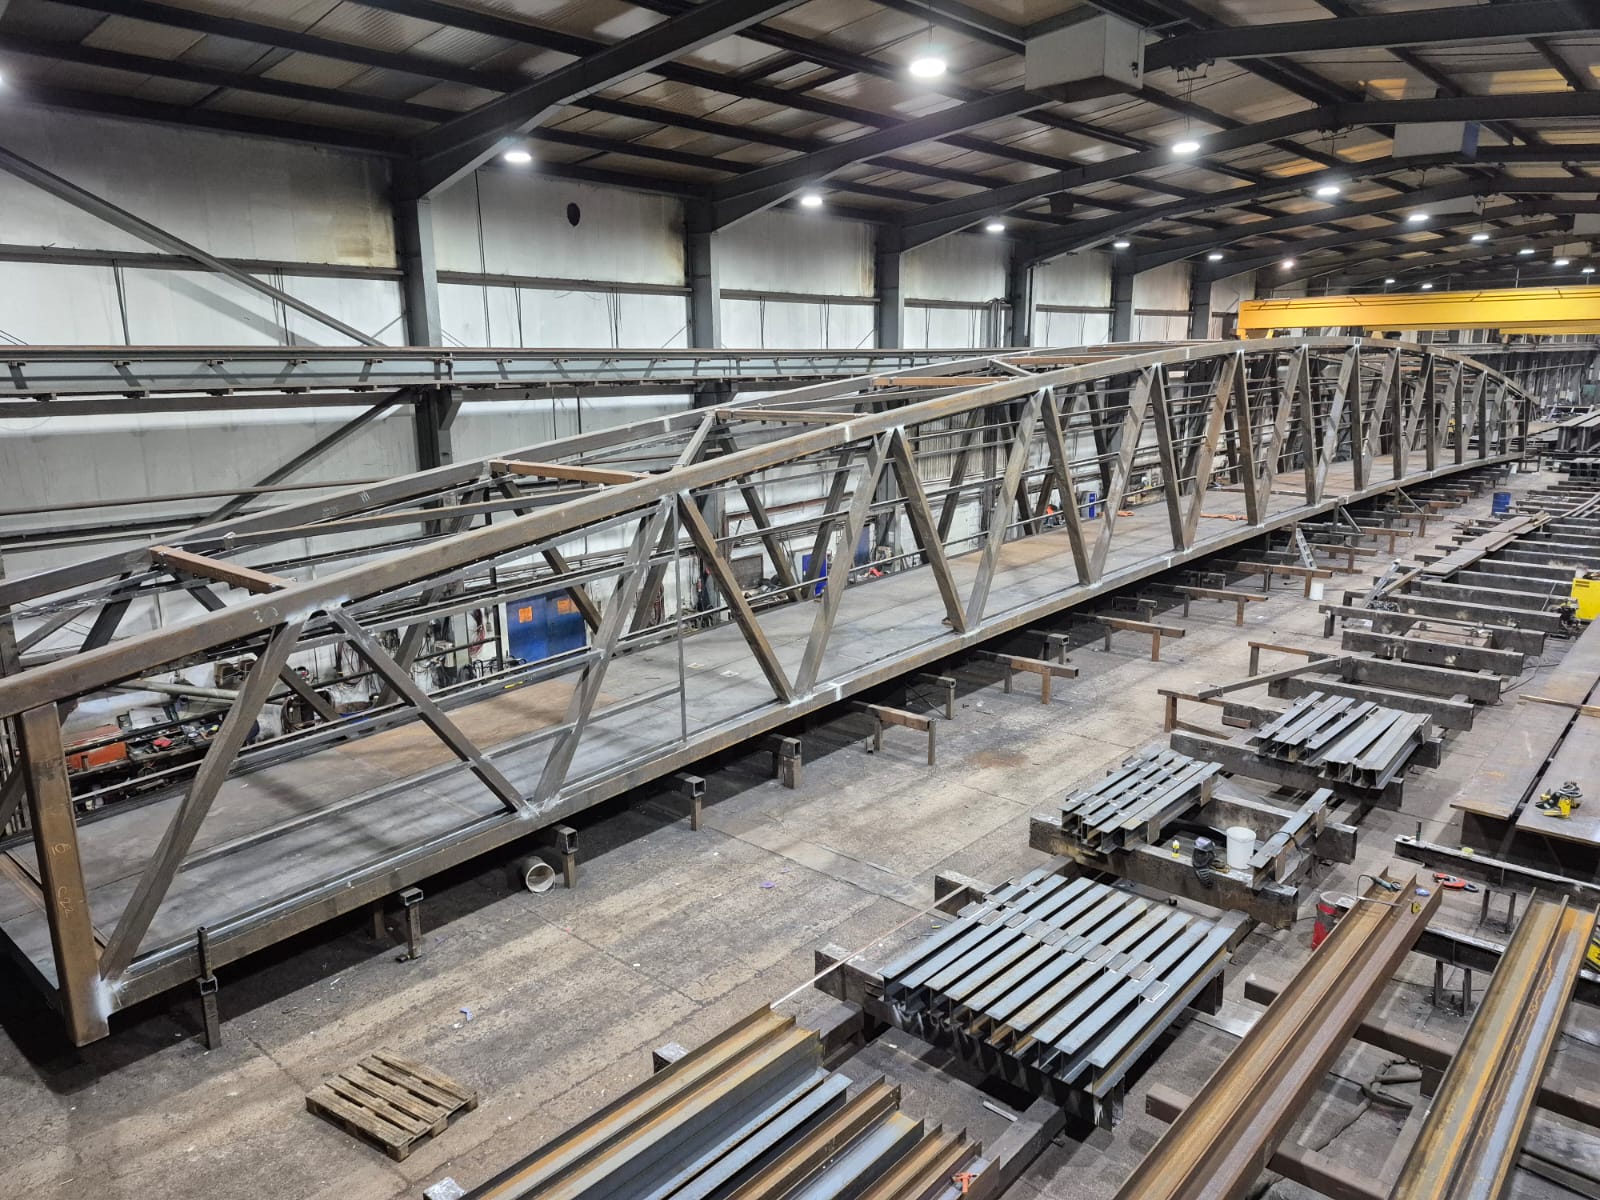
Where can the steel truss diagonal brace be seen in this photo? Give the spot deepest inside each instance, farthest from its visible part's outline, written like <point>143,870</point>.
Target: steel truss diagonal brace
<point>1055,440</point>
<point>1348,378</point>
<point>838,571</point>
<point>399,680</point>
<point>1205,455</point>
<point>164,865</point>
<point>999,513</point>
<point>924,528</point>
<point>1127,446</point>
<point>705,545</point>
<point>1162,417</point>
<point>619,606</point>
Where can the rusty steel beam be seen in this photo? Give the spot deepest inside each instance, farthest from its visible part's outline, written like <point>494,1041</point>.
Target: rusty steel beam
<point>1470,1138</point>
<point>1218,1146</point>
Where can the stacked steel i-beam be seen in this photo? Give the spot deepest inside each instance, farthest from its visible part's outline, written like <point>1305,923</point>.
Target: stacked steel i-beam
<point>1347,740</point>
<point>1139,797</point>
<point>1058,984</point>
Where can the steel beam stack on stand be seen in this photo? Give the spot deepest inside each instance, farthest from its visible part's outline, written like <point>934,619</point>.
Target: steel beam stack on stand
<point>1141,796</point>
<point>750,1115</point>
<point>1347,740</point>
<point>1059,985</point>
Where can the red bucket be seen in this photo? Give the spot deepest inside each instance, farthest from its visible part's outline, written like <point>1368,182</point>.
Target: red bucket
<point>1329,911</point>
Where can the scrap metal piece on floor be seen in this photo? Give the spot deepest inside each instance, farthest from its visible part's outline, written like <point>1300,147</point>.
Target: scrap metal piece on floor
<point>1470,1138</point>
<point>1059,985</point>
<point>391,1102</point>
<point>750,1114</point>
<point>1219,1144</point>
<point>1144,793</point>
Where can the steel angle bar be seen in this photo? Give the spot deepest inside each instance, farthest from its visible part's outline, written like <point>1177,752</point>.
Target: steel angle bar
<point>1217,1147</point>
<point>1474,1128</point>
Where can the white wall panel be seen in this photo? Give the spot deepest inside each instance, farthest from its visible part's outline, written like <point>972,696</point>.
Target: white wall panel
<point>1071,328</point>
<point>46,305</point>
<point>952,328</point>
<point>192,308</point>
<point>1157,327</point>
<point>238,197</point>
<point>794,325</point>
<point>511,223</point>
<point>956,268</point>
<point>1076,279</point>
<point>796,252</point>
<point>1163,287</point>
<point>373,306</point>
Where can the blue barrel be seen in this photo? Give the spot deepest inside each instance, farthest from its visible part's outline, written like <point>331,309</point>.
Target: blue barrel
<point>1502,504</point>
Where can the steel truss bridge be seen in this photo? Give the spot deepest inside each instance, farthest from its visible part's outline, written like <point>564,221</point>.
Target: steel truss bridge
<point>986,461</point>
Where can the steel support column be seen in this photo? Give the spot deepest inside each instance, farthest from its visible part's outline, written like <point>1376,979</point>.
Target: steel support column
<point>413,227</point>
<point>891,300</point>
<point>1019,299</point>
<point>1122,301</point>
<point>1199,305</point>
<point>705,283</point>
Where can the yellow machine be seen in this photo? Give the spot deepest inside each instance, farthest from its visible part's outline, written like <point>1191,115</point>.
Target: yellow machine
<point>1586,594</point>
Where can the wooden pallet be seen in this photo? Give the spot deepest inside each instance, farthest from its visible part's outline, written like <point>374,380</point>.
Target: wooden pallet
<point>390,1101</point>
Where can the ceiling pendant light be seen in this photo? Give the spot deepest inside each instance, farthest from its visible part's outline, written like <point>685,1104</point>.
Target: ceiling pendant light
<point>928,64</point>
<point>1328,191</point>
<point>1121,244</point>
<point>519,158</point>
<point>995,227</point>
<point>1214,256</point>
<point>810,199</point>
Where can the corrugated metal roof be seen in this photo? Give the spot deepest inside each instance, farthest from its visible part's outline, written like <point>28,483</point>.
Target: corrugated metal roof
<point>762,85</point>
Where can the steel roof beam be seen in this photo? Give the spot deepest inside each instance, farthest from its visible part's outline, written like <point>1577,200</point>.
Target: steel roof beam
<point>1448,255</point>
<point>940,220</point>
<point>1420,27</point>
<point>1173,249</point>
<point>766,186</point>
<point>1559,224</point>
<point>1085,234</point>
<point>459,147</point>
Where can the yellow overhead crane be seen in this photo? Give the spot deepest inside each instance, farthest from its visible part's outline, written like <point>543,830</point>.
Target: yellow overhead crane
<point>1547,310</point>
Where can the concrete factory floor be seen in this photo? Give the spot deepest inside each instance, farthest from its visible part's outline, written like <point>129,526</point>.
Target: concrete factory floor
<point>549,1004</point>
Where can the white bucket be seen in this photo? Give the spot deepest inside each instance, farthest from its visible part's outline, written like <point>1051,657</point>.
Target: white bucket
<point>1316,589</point>
<point>1241,847</point>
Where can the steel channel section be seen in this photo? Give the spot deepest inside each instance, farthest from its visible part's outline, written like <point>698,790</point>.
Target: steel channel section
<point>1216,1149</point>
<point>410,569</point>
<point>1057,984</point>
<point>1470,1138</point>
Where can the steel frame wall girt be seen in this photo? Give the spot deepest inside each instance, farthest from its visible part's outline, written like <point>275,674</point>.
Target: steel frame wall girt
<point>459,147</point>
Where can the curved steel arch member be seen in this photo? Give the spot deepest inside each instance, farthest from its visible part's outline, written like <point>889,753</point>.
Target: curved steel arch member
<point>967,485</point>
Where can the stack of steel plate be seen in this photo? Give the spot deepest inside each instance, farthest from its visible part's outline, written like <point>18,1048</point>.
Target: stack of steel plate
<point>1058,984</point>
<point>1347,740</point>
<point>750,1115</point>
<point>1139,797</point>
